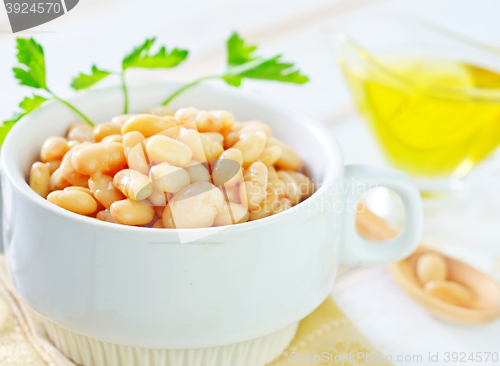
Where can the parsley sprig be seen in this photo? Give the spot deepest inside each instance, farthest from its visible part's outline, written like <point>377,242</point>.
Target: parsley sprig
<point>242,63</point>
<point>140,57</point>
<point>31,72</point>
<point>27,105</point>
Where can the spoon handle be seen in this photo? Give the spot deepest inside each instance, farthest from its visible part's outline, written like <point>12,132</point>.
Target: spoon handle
<point>372,227</point>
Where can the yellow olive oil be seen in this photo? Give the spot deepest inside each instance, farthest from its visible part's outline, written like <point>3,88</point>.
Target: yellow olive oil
<point>433,118</point>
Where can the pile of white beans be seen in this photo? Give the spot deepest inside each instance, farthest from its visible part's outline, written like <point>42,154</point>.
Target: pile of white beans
<point>166,169</point>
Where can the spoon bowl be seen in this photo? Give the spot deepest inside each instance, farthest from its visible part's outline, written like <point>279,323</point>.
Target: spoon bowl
<point>485,306</point>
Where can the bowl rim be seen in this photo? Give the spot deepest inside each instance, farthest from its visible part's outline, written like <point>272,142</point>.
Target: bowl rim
<point>319,130</point>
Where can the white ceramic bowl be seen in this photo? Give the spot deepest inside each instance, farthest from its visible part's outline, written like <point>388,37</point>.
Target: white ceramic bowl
<point>142,287</point>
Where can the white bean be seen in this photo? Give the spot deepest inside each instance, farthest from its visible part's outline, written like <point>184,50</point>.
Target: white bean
<point>288,160</point>
<point>133,184</point>
<point>168,178</point>
<point>148,124</point>
<point>138,160</point>
<point>54,148</point>
<point>130,212</point>
<point>197,172</point>
<point>164,149</point>
<point>74,200</point>
<point>103,189</point>
<point>40,179</point>
<point>251,145</point>
<point>80,131</point>
<point>196,205</point>
<point>291,189</point>
<point>231,213</point>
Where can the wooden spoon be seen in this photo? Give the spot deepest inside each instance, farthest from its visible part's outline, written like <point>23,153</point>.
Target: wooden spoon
<point>483,309</point>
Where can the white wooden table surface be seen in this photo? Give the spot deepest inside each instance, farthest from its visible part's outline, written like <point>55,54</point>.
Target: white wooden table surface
<point>101,31</point>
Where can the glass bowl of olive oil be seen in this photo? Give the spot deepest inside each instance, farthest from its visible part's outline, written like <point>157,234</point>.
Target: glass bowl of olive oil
<point>430,97</point>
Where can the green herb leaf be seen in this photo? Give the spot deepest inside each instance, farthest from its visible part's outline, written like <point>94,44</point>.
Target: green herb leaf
<point>140,57</point>
<point>238,52</point>
<point>84,81</point>
<point>4,130</point>
<point>28,105</point>
<point>31,55</point>
<point>232,80</point>
<point>32,73</point>
<point>243,64</point>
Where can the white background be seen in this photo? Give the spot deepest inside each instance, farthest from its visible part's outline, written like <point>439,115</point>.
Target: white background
<point>100,32</point>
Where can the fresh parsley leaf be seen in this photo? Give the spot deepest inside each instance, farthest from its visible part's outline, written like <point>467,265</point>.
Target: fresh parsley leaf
<point>32,73</point>
<point>84,81</point>
<point>140,57</point>
<point>241,63</point>
<point>4,129</point>
<point>28,105</point>
<point>232,80</point>
<point>31,55</point>
<point>238,52</point>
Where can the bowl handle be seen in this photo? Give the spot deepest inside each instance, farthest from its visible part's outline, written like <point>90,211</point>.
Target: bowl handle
<point>355,250</point>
